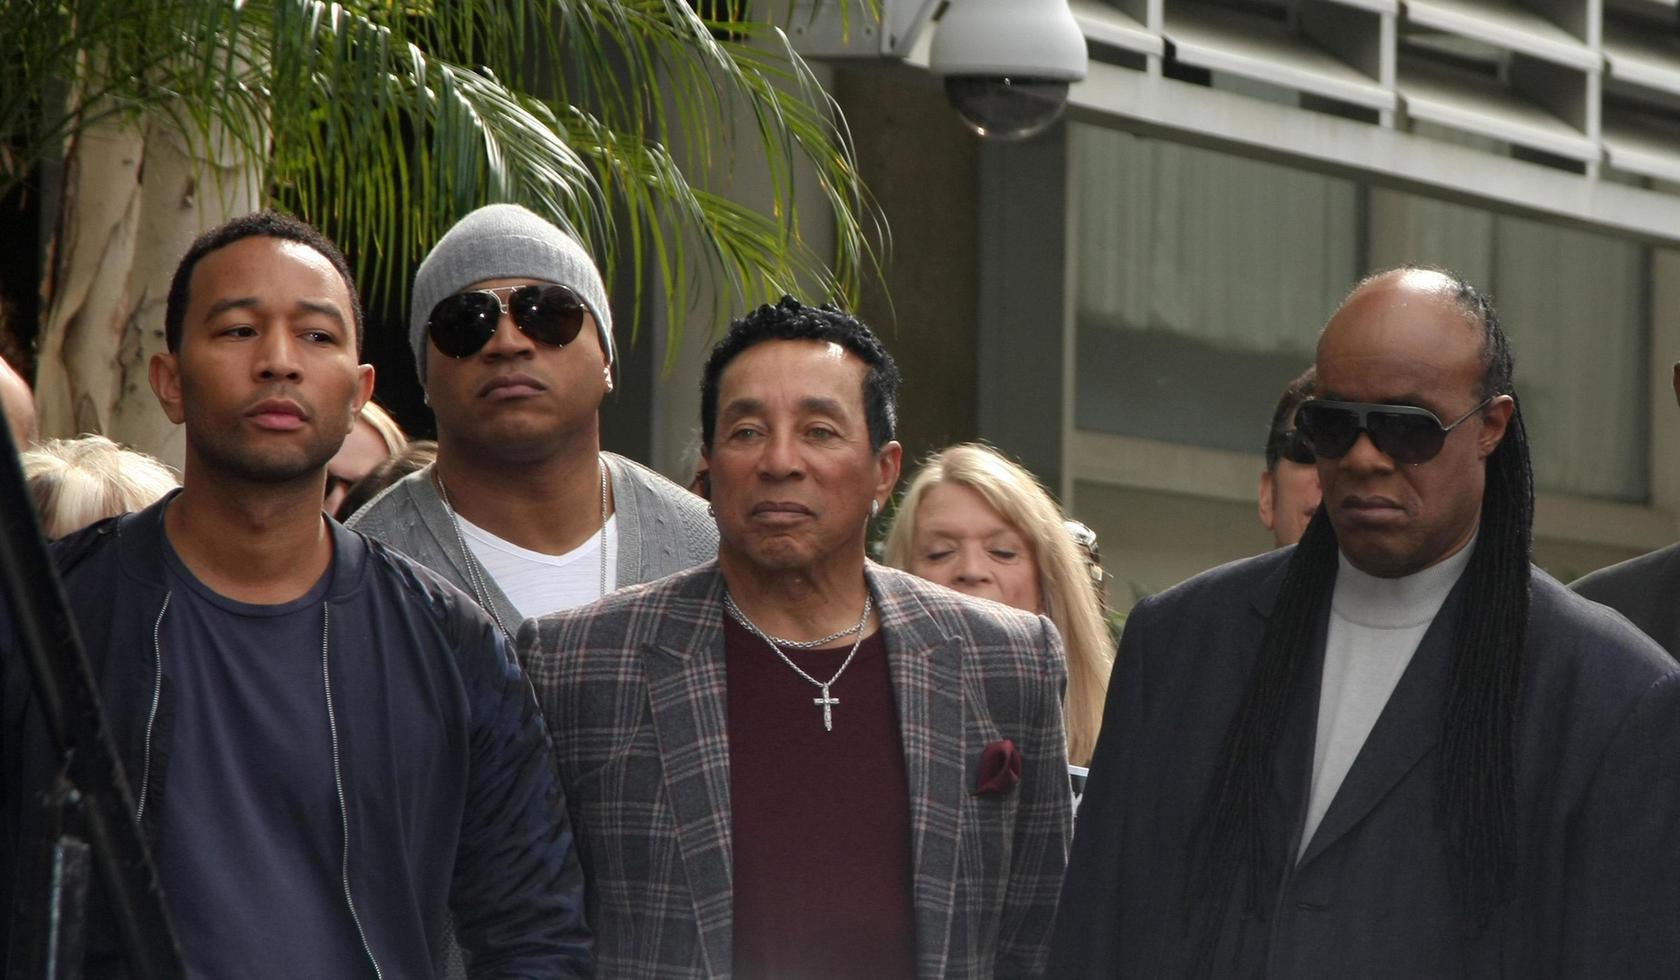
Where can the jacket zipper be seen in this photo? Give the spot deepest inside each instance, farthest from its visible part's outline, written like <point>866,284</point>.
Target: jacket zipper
<point>332,727</point>
<point>338,784</point>
<point>151,717</point>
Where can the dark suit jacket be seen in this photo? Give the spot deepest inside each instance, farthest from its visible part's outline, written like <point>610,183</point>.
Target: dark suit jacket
<point>633,688</point>
<point>1646,590</point>
<point>1597,881</point>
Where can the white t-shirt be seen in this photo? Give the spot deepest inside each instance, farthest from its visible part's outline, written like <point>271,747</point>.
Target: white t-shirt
<point>538,584</point>
<point>1376,625</point>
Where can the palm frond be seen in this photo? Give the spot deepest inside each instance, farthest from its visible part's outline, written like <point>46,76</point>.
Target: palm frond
<point>385,121</point>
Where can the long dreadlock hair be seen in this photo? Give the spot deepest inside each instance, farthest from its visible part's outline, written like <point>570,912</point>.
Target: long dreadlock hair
<point>1477,787</point>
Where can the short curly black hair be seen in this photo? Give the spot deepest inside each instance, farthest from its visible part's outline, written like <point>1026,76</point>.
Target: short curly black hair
<point>261,224</point>
<point>793,320</point>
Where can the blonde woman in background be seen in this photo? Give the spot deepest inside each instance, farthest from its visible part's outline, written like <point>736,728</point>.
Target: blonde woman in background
<point>375,438</point>
<point>978,523</point>
<point>75,482</point>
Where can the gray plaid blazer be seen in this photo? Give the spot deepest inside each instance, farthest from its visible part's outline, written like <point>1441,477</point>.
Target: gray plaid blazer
<point>633,690</point>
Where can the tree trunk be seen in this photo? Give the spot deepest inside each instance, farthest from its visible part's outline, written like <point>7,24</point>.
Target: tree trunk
<point>135,195</point>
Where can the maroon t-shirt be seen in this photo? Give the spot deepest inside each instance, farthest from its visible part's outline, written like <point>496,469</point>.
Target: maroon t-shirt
<point>821,818</point>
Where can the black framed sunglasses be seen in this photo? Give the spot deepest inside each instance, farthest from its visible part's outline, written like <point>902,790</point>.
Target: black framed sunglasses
<point>1293,446</point>
<point>460,325</point>
<point>1404,433</point>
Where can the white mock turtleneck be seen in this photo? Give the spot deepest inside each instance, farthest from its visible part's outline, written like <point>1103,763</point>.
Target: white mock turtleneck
<point>1376,625</point>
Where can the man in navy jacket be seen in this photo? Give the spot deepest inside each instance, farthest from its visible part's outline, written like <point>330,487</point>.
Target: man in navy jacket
<point>337,764</point>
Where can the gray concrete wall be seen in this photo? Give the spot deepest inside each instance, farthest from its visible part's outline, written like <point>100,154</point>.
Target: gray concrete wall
<point>923,169</point>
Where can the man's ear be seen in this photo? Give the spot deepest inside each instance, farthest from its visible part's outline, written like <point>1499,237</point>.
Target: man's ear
<point>164,372</point>
<point>1677,381</point>
<point>890,460</point>
<point>1496,418</point>
<point>364,392</point>
<point>594,328</point>
<point>1266,516</point>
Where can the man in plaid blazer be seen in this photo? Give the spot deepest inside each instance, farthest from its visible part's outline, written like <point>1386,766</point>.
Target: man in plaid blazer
<point>883,795</point>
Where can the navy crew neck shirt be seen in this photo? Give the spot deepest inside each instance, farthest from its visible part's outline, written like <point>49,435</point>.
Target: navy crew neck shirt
<point>250,839</point>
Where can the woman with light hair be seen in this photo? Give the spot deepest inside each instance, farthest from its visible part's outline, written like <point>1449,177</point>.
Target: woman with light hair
<point>76,482</point>
<point>374,439</point>
<point>978,523</point>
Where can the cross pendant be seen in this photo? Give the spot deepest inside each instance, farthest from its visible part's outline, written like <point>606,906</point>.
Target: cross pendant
<point>828,704</point>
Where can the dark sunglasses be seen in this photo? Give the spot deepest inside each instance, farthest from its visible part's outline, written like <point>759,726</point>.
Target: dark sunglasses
<point>462,324</point>
<point>1404,433</point>
<point>1292,446</point>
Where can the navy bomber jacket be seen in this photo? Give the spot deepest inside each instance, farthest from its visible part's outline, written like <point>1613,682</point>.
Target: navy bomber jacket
<point>450,789</point>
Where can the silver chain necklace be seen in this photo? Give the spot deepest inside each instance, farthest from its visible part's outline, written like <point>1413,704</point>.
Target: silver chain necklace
<point>475,573</point>
<point>820,641</point>
<point>827,701</point>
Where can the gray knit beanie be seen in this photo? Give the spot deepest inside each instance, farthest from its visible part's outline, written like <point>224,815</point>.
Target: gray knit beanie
<point>504,241</point>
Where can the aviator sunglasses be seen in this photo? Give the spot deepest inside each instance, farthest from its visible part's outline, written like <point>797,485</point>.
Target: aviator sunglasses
<point>462,324</point>
<point>1404,433</point>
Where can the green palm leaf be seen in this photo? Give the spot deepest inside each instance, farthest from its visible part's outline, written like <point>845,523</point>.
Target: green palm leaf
<point>383,122</point>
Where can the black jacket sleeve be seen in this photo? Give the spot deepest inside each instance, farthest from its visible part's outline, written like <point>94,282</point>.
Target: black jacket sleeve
<point>1624,876</point>
<point>518,888</point>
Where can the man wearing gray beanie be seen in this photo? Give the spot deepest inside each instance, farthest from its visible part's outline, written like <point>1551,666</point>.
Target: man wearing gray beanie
<point>513,341</point>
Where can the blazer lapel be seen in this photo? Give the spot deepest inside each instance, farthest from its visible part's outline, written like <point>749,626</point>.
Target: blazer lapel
<point>1406,730</point>
<point>1292,768</point>
<point>926,669</point>
<point>684,667</point>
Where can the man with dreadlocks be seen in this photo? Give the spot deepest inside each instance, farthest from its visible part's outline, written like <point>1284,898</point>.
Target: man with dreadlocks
<point>1397,749</point>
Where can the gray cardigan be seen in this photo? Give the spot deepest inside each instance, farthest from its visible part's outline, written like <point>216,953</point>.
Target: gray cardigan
<point>662,529</point>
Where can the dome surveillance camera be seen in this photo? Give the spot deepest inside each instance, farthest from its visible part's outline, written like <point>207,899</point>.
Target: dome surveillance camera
<point>1007,63</point>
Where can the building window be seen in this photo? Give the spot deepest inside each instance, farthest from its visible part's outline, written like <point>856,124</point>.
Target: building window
<point>1202,281</point>
<point>1203,278</point>
<point>1576,305</point>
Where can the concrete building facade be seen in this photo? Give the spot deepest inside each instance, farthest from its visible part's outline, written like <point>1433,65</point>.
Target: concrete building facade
<point>1118,302</point>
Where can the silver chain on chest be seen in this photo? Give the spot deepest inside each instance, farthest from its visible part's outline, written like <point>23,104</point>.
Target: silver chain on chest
<point>475,572</point>
<point>827,701</point>
<point>778,641</point>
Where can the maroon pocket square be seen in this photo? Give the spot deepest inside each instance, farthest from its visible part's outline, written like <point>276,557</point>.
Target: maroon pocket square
<point>1000,768</point>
